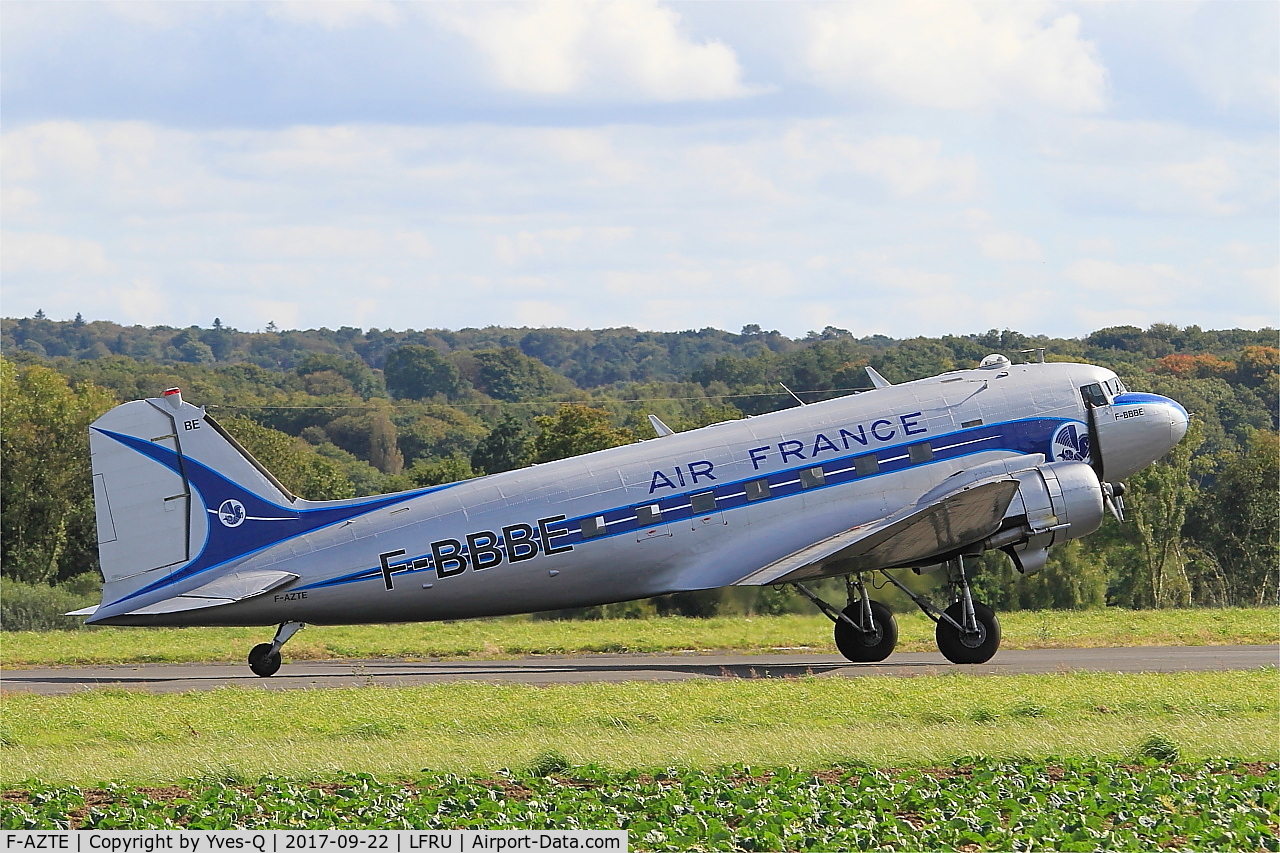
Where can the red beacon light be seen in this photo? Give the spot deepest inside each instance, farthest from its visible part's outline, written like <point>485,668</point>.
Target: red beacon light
<point>173,396</point>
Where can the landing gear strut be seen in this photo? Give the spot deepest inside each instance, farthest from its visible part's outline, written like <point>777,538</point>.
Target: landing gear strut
<point>865,630</point>
<point>967,631</point>
<point>264,658</point>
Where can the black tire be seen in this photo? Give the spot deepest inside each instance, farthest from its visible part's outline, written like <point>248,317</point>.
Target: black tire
<point>959,649</point>
<point>263,661</point>
<point>867,648</point>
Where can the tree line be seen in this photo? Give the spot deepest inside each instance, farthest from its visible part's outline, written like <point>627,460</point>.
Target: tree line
<point>349,412</point>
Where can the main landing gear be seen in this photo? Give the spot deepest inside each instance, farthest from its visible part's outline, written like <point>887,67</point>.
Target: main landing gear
<point>966,632</point>
<point>866,631</point>
<point>264,658</point>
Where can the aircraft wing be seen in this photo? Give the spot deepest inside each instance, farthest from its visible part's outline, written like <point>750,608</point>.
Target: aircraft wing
<point>916,534</point>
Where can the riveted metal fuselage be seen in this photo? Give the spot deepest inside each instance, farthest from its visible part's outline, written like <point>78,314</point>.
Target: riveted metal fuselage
<point>694,510</point>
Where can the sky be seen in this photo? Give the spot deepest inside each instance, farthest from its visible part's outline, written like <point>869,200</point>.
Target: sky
<point>901,168</point>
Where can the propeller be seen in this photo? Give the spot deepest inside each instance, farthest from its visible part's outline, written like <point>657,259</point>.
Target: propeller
<point>1112,493</point>
<point>1113,497</point>
<point>1095,447</point>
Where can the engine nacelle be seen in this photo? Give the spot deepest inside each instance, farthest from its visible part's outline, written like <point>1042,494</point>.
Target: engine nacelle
<point>1056,502</point>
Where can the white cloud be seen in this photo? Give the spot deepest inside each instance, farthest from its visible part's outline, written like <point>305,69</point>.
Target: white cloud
<point>313,242</point>
<point>1008,247</point>
<point>48,148</point>
<point>413,244</point>
<point>1133,288</point>
<point>634,49</point>
<point>910,165</point>
<point>1205,182</point>
<point>794,225</point>
<point>1144,167</point>
<point>334,14</point>
<point>1096,246</point>
<point>15,200</point>
<point>51,253</point>
<point>142,300</point>
<point>558,243</point>
<point>816,153</point>
<point>1227,52</point>
<point>956,55</point>
<point>321,242</point>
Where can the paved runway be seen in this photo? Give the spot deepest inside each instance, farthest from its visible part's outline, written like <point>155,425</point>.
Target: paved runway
<point>542,670</point>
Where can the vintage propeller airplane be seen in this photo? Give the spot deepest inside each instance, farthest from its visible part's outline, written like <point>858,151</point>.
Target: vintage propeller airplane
<point>919,475</point>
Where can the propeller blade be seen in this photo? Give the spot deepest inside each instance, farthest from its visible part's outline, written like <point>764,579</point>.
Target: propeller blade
<point>1095,448</point>
<point>1113,497</point>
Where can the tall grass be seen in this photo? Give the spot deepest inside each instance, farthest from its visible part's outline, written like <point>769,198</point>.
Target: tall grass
<point>466,727</point>
<point>40,607</point>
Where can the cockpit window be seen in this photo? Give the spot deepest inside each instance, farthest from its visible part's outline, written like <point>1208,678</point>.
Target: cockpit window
<point>1114,387</point>
<point>1093,395</point>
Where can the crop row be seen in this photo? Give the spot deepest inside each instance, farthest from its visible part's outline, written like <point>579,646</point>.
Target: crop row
<point>1074,804</point>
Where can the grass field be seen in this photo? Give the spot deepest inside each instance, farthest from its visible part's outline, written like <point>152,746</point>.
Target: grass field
<point>517,637</point>
<point>90,737</point>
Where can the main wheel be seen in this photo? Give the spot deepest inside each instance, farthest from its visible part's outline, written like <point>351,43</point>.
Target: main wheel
<point>975,648</point>
<point>867,648</point>
<point>263,661</point>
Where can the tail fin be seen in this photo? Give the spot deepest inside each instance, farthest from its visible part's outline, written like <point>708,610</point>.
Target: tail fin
<point>152,519</point>
<point>178,499</point>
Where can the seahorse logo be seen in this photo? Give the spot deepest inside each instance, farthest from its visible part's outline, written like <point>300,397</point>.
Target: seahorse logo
<point>231,513</point>
<point>1070,443</point>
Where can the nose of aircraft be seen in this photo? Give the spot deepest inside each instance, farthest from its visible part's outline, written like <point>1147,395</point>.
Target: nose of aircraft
<point>1178,420</point>
<point>1140,429</point>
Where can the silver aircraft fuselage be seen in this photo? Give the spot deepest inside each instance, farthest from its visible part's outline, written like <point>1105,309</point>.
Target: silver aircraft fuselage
<point>694,510</point>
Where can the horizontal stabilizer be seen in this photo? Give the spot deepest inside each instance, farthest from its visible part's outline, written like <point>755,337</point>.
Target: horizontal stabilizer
<point>923,532</point>
<point>83,611</point>
<point>236,586</point>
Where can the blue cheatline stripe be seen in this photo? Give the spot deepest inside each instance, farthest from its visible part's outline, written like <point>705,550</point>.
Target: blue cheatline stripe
<point>1026,436</point>
<point>1137,398</point>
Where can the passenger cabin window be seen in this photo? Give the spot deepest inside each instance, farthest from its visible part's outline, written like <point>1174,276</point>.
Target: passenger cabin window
<point>811,478</point>
<point>865,466</point>
<point>920,453</point>
<point>648,514</point>
<point>702,502</point>
<point>1093,395</point>
<point>592,527</point>
<point>757,490</point>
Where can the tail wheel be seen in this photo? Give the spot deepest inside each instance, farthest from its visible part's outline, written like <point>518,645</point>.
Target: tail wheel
<point>263,661</point>
<point>975,647</point>
<point>867,647</point>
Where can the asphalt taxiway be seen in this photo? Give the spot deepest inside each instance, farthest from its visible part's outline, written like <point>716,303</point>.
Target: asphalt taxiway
<point>545,670</point>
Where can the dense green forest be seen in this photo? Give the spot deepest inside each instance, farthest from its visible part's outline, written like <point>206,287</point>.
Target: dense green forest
<point>339,413</point>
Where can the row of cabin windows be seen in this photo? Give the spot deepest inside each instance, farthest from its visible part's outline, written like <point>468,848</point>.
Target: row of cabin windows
<point>810,478</point>
<point>756,490</point>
